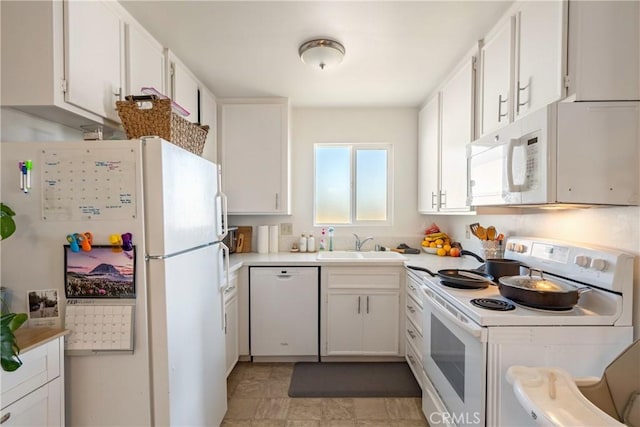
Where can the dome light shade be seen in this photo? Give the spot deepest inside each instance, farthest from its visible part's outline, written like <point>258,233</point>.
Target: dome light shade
<point>321,53</point>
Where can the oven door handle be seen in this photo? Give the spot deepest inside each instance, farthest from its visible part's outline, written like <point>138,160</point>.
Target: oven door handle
<point>475,330</point>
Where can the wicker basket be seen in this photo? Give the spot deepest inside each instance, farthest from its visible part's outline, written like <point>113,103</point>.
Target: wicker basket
<point>160,121</point>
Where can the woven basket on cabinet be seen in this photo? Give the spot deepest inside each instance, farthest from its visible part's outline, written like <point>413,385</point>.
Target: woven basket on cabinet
<point>160,121</point>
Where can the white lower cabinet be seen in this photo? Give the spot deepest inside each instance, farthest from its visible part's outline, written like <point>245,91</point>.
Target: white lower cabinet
<point>413,329</point>
<point>33,395</point>
<point>231,322</point>
<point>361,311</point>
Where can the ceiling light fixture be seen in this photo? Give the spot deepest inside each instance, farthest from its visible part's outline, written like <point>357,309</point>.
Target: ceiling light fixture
<point>321,53</point>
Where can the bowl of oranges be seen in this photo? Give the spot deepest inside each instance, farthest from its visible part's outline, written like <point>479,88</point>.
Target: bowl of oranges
<point>438,243</point>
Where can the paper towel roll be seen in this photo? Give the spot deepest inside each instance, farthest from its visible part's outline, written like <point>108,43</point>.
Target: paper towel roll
<point>273,238</point>
<point>263,239</point>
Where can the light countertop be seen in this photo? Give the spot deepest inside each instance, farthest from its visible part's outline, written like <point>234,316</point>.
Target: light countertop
<point>29,338</point>
<point>432,262</point>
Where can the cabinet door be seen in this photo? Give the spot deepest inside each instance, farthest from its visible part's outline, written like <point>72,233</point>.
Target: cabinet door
<point>254,158</point>
<point>456,133</point>
<point>231,333</point>
<point>208,117</point>
<point>604,50</point>
<point>428,156</point>
<point>539,55</point>
<point>344,323</point>
<point>145,61</point>
<point>381,326</point>
<point>93,59</point>
<point>184,90</point>
<point>495,78</point>
<point>41,407</point>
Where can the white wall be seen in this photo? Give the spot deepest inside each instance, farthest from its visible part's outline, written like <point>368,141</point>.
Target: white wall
<point>18,126</point>
<point>398,126</point>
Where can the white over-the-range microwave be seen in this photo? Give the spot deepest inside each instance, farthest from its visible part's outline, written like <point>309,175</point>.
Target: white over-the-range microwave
<point>582,153</point>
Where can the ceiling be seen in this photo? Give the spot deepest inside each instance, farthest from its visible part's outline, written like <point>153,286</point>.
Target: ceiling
<point>396,52</point>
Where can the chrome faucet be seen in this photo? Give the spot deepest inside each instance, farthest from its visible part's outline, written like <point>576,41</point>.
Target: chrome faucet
<point>359,242</point>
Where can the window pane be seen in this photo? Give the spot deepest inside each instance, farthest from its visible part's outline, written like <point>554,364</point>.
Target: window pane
<point>333,185</point>
<point>371,185</point>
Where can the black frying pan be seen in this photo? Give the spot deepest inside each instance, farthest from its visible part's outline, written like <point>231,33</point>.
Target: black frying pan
<point>497,267</point>
<point>468,279</point>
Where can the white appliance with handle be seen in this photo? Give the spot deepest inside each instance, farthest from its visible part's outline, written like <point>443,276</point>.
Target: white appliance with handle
<point>472,336</point>
<point>565,153</point>
<point>169,200</point>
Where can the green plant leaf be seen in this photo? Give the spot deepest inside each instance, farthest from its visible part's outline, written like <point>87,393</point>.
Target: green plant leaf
<point>7,224</point>
<point>9,349</point>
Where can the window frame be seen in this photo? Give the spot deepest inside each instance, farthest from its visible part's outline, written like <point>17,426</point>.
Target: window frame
<point>353,148</point>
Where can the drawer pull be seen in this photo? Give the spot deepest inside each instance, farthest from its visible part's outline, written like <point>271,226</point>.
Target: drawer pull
<point>411,309</point>
<point>411,334</point>
<point>5,418</point>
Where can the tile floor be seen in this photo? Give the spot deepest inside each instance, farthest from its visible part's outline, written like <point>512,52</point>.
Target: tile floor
<point>257,396</point>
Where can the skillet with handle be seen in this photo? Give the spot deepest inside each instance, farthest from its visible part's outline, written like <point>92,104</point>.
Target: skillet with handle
<point>468,279</point>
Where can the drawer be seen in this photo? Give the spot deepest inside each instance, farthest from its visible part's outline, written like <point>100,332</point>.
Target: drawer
<point>42,407</point>
<point>414,313</point>
<point>415,363</point>
<point>39,366</point>
<point>414,337</point>
<point>413,289</point>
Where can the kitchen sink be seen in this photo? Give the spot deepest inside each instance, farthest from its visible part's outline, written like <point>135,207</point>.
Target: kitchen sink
<point>338,255</point>
<point>359,256</point>
<point>382,255</point>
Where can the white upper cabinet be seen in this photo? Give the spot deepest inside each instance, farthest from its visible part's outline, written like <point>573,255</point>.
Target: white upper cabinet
<point>429,156</point>
<point>94,56</point>
<point>445,127</point>
<point>208,117</point>
<point>603,50</point>
<point>456,132</point>
<point>254,154</point>
<point>521,63</point>
<point>145,61</point>
<point>70,61</point>
<point>183,87</point>
<point>538,55</point>
<point>495,80</point>
<point>544,51</point>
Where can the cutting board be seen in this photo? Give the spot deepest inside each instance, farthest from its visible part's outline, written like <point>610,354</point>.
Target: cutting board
<point>244,239</point>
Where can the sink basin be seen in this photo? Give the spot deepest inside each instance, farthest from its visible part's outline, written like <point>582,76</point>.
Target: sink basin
<point>359,256</point>
<point>382,255</point>
<point>338,255</point>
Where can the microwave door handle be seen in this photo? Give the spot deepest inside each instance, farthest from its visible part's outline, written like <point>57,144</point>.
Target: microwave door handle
<point>512,188</point>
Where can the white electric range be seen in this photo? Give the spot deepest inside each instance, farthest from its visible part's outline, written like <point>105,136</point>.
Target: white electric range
<point>467,348</point>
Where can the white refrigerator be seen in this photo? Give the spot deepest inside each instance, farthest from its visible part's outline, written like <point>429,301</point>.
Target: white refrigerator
<point>170,202</point>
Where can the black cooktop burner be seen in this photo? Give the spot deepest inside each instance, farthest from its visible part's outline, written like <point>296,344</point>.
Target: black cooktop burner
<point>493,304</point>
<point>479,285</point>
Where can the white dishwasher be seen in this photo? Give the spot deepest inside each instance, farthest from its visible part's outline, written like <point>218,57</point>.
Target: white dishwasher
<point>283,311</point>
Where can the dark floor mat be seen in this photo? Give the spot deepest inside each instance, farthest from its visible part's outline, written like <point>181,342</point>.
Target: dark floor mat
<point>353,379</point>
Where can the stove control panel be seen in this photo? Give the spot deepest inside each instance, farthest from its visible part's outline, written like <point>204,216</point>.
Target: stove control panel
<point>605,268</point>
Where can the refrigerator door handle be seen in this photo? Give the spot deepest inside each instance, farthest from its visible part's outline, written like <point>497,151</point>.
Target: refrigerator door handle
<point>171,255</point>
<point>221,215</point>
<point>225,249</point>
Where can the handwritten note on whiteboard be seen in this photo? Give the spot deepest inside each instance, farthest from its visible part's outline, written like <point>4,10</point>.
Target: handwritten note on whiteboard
<point>86,184</point>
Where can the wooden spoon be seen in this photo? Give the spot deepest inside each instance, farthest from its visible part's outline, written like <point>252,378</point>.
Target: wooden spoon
<point>481,233</point>
<point>491,233</point>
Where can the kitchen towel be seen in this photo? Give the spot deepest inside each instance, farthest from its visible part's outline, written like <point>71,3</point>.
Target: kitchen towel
<point>263,239</point>
<point>273,239</point>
